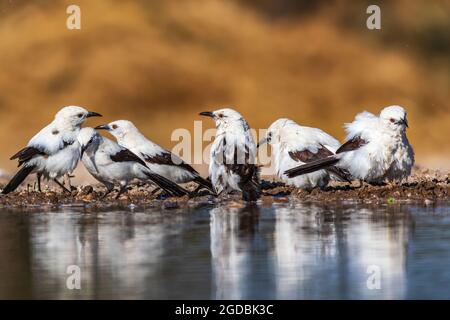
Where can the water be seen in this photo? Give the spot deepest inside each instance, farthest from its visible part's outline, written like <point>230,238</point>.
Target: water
<point>278,252</point>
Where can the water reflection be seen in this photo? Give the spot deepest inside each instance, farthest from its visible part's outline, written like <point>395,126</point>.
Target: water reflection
<point>281,252</point>
<point>116,253</point>
<point>322,252</point>
<point>232,233</point>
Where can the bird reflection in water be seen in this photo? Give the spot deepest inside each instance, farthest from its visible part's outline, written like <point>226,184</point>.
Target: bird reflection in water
<point>233,231</point>
<point>325,252</point>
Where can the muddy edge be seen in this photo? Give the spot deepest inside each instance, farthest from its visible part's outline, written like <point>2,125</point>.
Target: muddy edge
<point>424,186</point>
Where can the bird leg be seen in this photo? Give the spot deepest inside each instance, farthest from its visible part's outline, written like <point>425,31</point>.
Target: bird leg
<point>121,190</point>
<point>361,184</point>
<point>62,186</point>
<point>66,181</point>
<point>108,191</point>
<point>39,182</point>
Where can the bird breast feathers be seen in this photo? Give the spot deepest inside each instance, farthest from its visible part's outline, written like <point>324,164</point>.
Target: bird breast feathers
<point>225,147</point>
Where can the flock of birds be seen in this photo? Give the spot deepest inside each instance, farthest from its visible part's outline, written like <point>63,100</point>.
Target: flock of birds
<point>376,150</point>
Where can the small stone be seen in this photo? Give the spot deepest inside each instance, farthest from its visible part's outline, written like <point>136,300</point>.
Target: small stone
<point>89,197</point>
<point>86,190</point>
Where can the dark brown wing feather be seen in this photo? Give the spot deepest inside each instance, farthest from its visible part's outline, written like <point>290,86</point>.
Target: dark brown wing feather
<point>26,154</point>
<point>308,156</point>
<point>126,155</point>
<point>352,144</point>
<point>166,158</point>
<point>238,166</point>
<point>248,172</point>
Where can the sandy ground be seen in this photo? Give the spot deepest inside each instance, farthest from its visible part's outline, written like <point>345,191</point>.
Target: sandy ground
<point>423,186</point>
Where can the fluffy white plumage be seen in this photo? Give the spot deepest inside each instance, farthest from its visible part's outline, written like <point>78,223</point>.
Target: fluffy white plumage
<point>53,151</point>
<point>97,152</point>
<point>376,150</point>
<point>232,163</point>
<point>293,145</point>
<point>113,164</point>
<point>387,154</point>
<point>158,159</point>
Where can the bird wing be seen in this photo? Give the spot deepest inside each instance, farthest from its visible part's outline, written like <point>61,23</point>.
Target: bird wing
<point>352,144</point>
<point>298,138</point>
<point>313,136</point>
<point>30,152</point>
<point>169,159</point>
<point>307,155</point>
<point>238,159</point>
<point>125,155</point>
<point>249,174</point>
<point>51,139</point>
<point>27,153</point>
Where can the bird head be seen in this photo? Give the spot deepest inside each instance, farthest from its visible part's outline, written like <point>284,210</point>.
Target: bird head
<point>223,116</point>
<point>395,118</point>
<point>73,116</point>
<point>273,133</point>
<point>119,129</point>
<point>86,137</point>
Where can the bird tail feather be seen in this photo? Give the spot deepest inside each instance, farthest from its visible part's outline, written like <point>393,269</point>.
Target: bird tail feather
<point>167,185</point>
<point>340,173</point>
<point>18,179</point>
<point>311,166</point>
<point>205,183</point>
<point>250,186</point>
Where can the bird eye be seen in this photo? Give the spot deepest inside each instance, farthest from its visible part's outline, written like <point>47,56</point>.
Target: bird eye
<point>392,120</point>
<point>114,126</point>
<point>220,115</point>
<point>80,115</point>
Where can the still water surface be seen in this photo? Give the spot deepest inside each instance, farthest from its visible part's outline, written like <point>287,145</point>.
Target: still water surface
<point>300,251</point>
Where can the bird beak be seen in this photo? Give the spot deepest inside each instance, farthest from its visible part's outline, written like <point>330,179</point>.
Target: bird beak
<point>103,127</point>
<point>261,142</point>
<point>207,114</point>
<point>83,149</point>
<point>93,114</point>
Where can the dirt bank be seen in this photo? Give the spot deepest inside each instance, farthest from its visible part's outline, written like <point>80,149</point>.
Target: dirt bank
<point>424,187</point>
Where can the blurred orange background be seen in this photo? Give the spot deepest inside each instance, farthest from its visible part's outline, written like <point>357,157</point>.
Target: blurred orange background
<point>159,63</point>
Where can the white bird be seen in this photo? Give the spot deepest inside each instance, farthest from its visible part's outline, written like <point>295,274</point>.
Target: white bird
<point>293,145</point>
<point>377,149</point>
<point>158,159</point>
<point>112,164</point>
<point>53,151</point>
<point>232,163</point>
